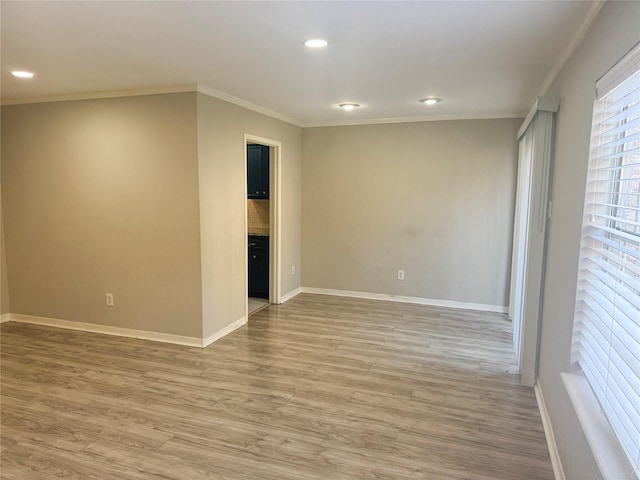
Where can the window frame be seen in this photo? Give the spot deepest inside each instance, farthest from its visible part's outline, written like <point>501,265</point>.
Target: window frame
<point>623,268</point>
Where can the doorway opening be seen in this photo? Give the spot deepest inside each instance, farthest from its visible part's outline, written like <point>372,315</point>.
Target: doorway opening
<point>262,222</point>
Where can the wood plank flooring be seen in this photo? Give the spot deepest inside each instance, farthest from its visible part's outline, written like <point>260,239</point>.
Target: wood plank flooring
<point>318,388</point>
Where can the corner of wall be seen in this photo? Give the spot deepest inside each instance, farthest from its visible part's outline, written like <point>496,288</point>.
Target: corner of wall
<point>221,128</point>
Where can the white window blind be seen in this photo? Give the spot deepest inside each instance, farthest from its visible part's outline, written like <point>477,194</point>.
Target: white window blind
<point>606,339</point>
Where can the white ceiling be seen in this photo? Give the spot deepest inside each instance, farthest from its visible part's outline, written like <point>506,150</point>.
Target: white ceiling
<point>484,58</point>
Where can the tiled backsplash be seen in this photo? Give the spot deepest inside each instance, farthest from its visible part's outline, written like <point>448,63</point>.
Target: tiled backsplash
<point>258,216</point>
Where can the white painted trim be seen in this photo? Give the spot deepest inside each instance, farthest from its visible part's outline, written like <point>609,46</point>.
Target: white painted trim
<point>104,94</point>
<point>134,92</point>
<point>223,332</point>
<point>246,229</point>
<point>212,92</point>
<point>607,450</point>
<point>620,72</point>
<point>558,471</point>
<point>423,118</point>
<point>402,299</point>
<point>108,330</point>
<point>577,39</point>
<point>288,296</point>
<point>5,318</point>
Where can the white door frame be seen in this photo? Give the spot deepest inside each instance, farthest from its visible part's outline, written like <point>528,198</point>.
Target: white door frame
<point>275,212</point>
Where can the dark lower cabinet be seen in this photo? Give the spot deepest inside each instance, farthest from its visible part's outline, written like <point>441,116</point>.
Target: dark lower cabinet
<point>259,266</point>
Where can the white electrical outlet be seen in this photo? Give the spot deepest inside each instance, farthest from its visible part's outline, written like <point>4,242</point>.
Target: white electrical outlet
<point>293,269</point>
<point>400,274</point>
<point>109,297</point>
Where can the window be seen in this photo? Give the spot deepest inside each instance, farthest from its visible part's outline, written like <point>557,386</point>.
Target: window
<point>606,338</point>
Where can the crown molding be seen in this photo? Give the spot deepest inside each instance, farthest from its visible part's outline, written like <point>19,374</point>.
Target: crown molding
<point>212,92</point>
<point>425,118</point>
<point>205,90</point>
<point>134,92</point>
<point>573,45</point>
<point>155,91</point>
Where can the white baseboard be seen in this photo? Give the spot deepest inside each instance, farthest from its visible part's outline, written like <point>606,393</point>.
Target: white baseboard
<point>402,299</point>
<point>125,332</point>
<point>288,296</point>
<point>558,471</point>
<point>108,330</point>
<point>223,332</point>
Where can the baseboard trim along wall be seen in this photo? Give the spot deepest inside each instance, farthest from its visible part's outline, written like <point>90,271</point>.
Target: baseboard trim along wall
<point>402,299</point>
<point>288,296</point>
<point>107,330</point>
<point>205,342</point>
<point>223,332</point>
<point>558,471</point>
<point>126,332</point>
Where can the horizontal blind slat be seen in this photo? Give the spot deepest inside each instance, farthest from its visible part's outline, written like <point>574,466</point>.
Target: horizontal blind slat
<point>613,414</point>
<point>627,221</point>
<point>631,153</point>
<point>631,360</point>
<point>617,403</point>
<point>617,273</point>
<point>616,245</point>
<point>619,372</point>
<point>627,331</point>
<point>616,101</point>
<point>612,144</point>
<point>615,259</point>
<point>616,128</point>
<point>610,205</point>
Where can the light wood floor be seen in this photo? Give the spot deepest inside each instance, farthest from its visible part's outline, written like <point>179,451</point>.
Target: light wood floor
<point>254,304</point>
<point>318,388</point>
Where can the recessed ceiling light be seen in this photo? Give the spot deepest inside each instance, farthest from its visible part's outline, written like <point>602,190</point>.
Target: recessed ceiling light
<point>316,43</point>
<point>348,106</point>
<point>431,100</point>
<point>22,74</point>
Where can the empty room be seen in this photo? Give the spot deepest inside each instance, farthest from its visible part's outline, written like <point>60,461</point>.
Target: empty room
<point>320,240</point>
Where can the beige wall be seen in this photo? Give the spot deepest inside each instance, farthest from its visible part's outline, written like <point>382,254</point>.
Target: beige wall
<point>434,199</point>
<point>613,33</point>
<point>221,160</point>
<point>102,196</point>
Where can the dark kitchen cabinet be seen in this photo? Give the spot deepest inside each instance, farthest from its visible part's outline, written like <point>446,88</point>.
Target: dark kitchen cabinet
<point>257,171</point>
<point>259,266</point>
